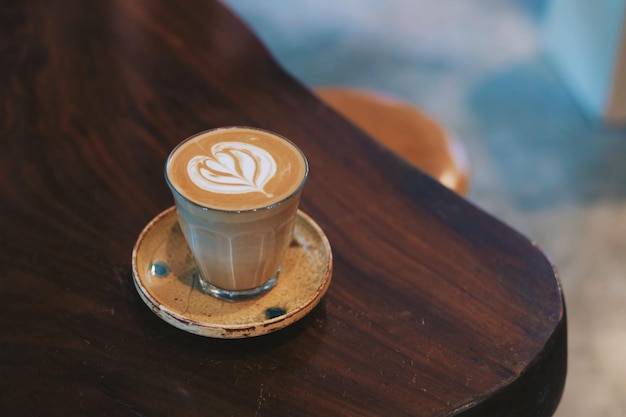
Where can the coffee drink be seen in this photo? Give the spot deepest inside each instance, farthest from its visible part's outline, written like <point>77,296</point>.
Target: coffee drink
<point>237,191</point>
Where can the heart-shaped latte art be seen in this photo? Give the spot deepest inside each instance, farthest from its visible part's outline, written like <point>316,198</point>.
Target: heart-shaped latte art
<point>233,168</point>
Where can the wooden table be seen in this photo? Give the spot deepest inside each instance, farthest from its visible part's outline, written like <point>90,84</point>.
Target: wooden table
<point>435,309</point>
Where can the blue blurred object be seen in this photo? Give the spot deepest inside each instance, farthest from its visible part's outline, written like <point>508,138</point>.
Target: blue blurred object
<point>584,41</point>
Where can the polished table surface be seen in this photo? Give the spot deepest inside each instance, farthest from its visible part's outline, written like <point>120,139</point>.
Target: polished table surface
<point>435,308</point>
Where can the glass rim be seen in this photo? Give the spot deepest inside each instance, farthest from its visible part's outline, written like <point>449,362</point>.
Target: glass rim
<point>222,210</point>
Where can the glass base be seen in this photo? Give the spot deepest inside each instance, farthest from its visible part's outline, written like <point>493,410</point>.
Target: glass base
<point>237,295</point>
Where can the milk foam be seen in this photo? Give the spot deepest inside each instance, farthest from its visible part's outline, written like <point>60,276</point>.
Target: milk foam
<point>233,168</point>
<point>236,169</point>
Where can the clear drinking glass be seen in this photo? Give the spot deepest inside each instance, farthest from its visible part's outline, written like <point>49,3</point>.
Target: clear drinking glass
<point>239,249</point>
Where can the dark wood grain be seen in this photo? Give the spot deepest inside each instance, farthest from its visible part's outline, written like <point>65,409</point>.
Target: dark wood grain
<point>436,308</point>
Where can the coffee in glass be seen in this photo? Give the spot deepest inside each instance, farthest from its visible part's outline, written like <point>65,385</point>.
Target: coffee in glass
<point>236,192</point>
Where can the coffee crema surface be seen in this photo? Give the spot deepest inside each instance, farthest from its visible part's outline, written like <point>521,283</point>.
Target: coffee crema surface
<point>236,169</point>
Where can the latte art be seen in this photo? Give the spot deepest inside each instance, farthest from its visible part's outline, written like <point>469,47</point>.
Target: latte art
<point>236,169</point>
<point>233,168</point>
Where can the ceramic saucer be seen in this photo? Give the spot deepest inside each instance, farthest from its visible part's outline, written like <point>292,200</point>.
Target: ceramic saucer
<point>164,275</point>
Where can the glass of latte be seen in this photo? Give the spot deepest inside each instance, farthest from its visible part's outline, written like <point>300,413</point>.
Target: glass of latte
<point>236,191</point>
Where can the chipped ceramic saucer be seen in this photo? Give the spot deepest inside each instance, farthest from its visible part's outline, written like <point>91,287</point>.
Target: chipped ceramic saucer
<point>163,272</point>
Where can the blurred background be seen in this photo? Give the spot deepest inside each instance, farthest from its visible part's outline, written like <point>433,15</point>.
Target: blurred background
<point>524,84</point>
